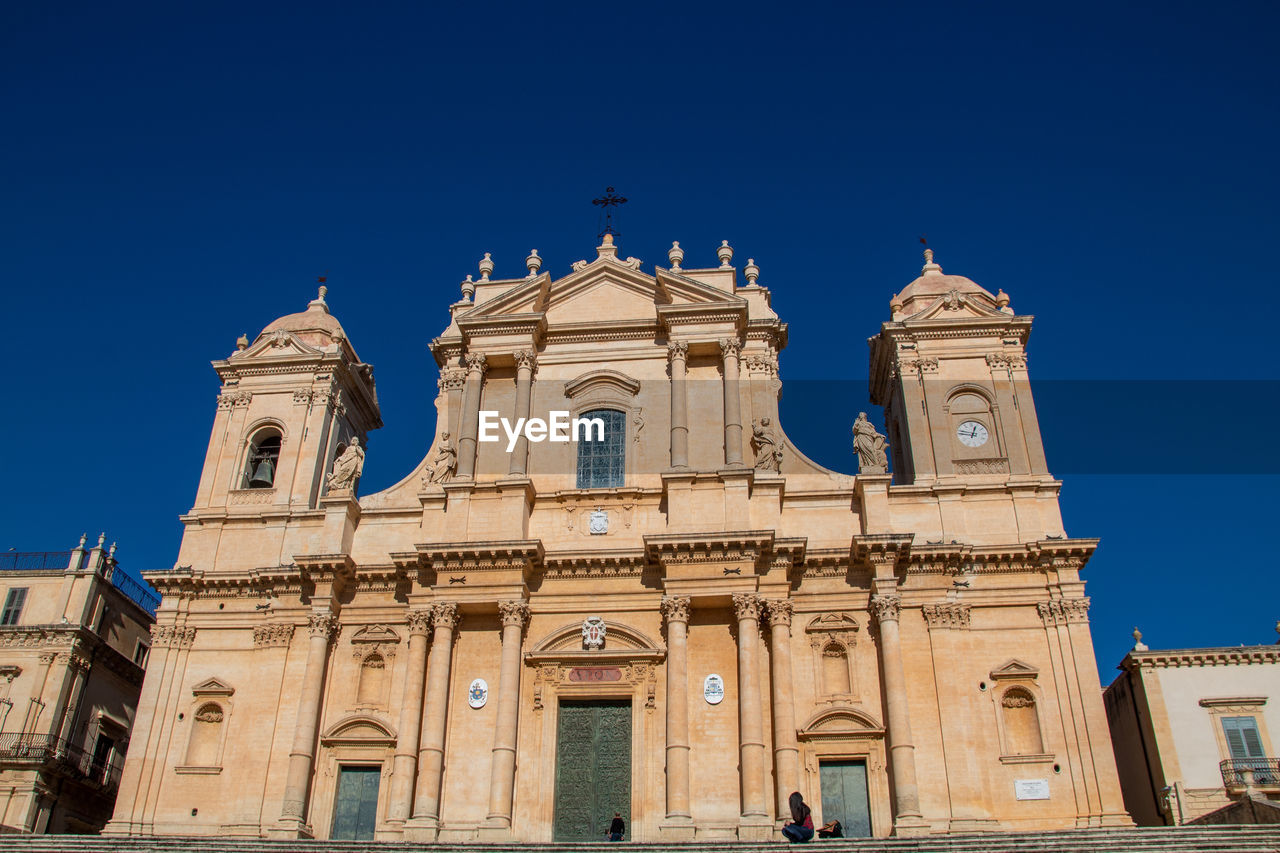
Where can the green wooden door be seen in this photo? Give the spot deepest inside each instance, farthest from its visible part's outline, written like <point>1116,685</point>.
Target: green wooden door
<point>593,769</point>
<point>356,813</point>
<point>844,796</point>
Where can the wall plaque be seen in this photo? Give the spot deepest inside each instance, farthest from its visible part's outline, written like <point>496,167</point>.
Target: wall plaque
<point>713,689</point>
<point>1031,789</point>
<point>595,673</point>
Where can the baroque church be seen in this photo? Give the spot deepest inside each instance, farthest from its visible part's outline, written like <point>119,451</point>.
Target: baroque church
<point>681,619</point>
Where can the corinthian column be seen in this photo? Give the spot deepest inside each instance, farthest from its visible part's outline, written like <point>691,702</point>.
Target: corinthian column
<point>502,777</point>
<point>750,719</point>
<point>678,352</point>
<point>730,349</point>
<point>426,805</point>
<point>526,360</point>
<point>676,611</point>
<point>406,761</point>
<point>902,752</point>
<point>321,626</point>
<point>786,751</point>
<point>476,365</point>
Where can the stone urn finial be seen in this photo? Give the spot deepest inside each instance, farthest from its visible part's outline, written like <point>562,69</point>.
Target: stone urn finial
<point>751,271</point>
<point>725,254</point>
<point>1002,302</point>
<point>486,267</point>
<point>930,268</point>
<point>675,255</point>
<point>534,263</point>
<point>468,288</point>
<point>1138,645</point>
<point>242,343</point>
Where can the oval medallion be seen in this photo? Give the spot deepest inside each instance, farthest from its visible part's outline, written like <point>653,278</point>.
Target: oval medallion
<point>713,689</point>
<point>478,693</point>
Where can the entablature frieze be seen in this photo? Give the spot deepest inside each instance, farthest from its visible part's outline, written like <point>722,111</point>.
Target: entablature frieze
<point>747,546</point>
<point>1232,656</point>
<point>524,555</point>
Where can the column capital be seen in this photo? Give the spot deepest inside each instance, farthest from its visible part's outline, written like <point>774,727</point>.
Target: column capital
<point>885,607</point>
<point>730,347</point>
<point>948,615</point>
<point>322,625</point>
<point>476,362</point>
<point>452,379</point>
<point>445,614</point>
<point>675,608</point>
<point>526,359</point>
<point>747,605</point>
<point>677,350</point>
<point>780,610</point>
<point>513,613</point>
<point>419,621</point>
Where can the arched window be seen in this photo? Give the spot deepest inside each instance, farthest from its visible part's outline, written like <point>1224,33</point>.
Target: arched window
<point>835,669</point>
<point>373,674</point>
<point>1021,722</point>
<point>263,459</point>
<point>206,736</point>
<point>601,436</point>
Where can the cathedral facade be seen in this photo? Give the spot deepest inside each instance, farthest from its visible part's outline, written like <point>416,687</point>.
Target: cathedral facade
<point>613,585</point>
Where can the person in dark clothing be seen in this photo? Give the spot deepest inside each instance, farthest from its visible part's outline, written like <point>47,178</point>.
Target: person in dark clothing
<point>800,829</point>
<point>616,827</point>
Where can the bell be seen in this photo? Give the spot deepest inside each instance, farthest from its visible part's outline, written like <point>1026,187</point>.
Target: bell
<point>264,476</point>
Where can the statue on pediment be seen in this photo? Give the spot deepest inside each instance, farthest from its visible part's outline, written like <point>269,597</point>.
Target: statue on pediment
<point>443,463</point>
<point>870,446</point>
<point>764,443</point>
<point>347,468</point>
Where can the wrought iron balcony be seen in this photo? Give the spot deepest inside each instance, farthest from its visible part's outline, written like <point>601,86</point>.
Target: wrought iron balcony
<point>1249,772</point>
<point>58,755</point>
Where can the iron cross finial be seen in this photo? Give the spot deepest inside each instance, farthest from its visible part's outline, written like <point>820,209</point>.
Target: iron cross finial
<point>608,201</point>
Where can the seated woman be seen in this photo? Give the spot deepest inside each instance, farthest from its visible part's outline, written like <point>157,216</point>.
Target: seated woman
<point>800,829</point>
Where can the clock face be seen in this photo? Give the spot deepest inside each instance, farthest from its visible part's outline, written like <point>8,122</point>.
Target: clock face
<point>972,434</point>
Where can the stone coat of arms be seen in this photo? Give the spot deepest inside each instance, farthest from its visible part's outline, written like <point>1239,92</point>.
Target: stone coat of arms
<point>593,632</point>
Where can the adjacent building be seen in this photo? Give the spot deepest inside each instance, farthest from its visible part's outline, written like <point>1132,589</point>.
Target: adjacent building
<point>74,638</point>
<point>1192,731</point>
<point>665,610</point>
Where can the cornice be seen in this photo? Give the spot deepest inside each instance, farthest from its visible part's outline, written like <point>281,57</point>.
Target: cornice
<point>729,546</point>
<point>524,554</point>
<point>1229,656</point>
<point>595,564</point>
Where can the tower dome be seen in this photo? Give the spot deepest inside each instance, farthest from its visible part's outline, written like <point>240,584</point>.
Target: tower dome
<point>315,326</point>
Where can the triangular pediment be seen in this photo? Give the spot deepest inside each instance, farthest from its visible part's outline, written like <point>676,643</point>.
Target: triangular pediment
<point>957,305</point>
<point>1014,669</point>
<point>603,290</point>
<point>275,345</point>
<point>213,687</point>
<point>375,634</point>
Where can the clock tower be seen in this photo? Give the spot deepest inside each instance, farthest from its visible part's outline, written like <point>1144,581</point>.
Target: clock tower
<point>950,370</point>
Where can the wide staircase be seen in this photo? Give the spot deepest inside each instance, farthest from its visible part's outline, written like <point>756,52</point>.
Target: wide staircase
<point>1216,839</point>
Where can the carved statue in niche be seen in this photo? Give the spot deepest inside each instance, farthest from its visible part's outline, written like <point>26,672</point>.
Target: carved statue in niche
<point>347,468</point>
<point>443,463</point>
<point>870,446</point>
<point>764,441</point>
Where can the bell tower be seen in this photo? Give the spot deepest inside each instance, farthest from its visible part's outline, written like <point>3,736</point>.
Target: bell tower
<point>950,370</point>
<point>291,401</point>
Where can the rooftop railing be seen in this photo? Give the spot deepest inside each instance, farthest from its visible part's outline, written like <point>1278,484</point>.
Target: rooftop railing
<point>142,594</point>
<point>34,561</point>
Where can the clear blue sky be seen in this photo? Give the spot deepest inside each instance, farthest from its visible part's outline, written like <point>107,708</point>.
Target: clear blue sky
<point>175,174</point>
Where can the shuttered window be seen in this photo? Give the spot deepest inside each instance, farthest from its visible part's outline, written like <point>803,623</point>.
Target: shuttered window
<point>1242,737</point>
<point>602,462</point>
<point>13,606</point>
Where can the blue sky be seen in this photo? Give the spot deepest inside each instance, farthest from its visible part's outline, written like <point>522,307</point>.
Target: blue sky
<point>176,174</point>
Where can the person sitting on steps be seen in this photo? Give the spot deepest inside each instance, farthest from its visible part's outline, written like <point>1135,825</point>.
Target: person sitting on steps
<point>800,829</point>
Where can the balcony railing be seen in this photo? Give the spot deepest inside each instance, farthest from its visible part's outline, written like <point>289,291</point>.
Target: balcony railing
<point>1243,772</point>
<point>58,754</point>
<point>142,594</point>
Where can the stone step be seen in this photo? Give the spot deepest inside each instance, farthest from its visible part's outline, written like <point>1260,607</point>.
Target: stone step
<point>1225,839</point>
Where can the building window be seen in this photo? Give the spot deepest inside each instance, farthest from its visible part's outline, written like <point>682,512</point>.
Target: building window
<point>264,457</point>
<point>835,670</point>
<point>602,460</point>
<point>1021,723</point>
<point>13,606</point>
<point>140,650</point>
<point>1243,739</point>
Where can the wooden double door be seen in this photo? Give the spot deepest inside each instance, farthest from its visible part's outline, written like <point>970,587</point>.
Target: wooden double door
<point>593,768</point>
<point>844,796</point>
<point>355,813</point>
